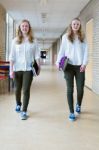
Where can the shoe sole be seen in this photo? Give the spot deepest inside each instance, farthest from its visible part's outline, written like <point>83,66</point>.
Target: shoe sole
<point>72,119</point>
<point>78,112</point>
<point>24,118</point>
<point>18,111</point>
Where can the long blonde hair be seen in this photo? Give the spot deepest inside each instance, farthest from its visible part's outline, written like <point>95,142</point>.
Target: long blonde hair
<point>71,35</point>
<point>20,35</point>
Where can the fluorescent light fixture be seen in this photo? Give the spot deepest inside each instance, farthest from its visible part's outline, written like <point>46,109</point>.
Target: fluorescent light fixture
<point>44,17</point>
<point>43,2</point>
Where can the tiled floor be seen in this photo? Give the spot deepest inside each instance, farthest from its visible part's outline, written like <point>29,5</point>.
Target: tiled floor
<point>48,127</point>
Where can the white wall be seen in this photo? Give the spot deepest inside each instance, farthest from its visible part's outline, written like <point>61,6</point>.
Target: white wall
<point>92,11</point>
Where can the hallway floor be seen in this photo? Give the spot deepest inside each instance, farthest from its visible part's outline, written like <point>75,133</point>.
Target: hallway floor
<point>48,127</point>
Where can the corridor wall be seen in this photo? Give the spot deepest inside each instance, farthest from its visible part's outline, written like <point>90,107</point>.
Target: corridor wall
<point>91,11</point>
<point>2,32</point>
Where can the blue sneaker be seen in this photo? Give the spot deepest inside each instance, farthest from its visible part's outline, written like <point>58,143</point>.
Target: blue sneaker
<point>24,115</point>
<point>72,117</point>
<point>78,109</point>
<point>18,108</point>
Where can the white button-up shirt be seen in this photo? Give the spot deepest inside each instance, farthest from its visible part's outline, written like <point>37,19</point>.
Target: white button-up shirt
<point>23,55</point>
<point>77,51</point>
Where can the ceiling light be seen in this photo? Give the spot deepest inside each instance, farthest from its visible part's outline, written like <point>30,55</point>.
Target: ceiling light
<point>43,2</point>
<point>44,17</point>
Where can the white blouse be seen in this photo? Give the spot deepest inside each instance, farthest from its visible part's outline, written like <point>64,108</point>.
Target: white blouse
<point>23,55</point>
<point>77,52</point>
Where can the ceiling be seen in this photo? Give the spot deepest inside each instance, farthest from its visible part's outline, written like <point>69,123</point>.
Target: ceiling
<point>49,18</point>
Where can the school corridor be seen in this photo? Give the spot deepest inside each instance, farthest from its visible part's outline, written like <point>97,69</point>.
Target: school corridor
<point>48,126</point>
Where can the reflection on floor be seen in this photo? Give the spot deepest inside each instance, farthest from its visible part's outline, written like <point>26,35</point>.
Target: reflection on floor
<point>48,127</point>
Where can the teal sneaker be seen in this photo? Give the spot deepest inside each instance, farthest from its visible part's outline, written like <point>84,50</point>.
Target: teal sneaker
<point>72,117</point>
<point>18,108</point>
<point>78,109</point>
<point>24,115</point>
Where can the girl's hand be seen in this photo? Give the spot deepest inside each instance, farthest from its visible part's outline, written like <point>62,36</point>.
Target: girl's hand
<point>82,68</point>
<point>57,66</point>
<point>11,74</point>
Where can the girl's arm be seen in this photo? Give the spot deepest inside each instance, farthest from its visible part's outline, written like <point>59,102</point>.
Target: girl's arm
<point>61,51</point>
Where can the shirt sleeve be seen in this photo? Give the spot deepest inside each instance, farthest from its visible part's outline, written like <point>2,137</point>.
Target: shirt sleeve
<point>85,58</point>
<point>12,52</point>
<point>61,51</point>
